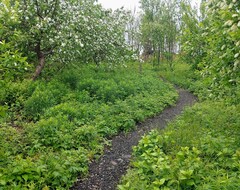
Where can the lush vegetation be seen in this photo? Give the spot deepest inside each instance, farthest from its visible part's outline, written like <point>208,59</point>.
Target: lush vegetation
<point>200,150</point>
<point>55,33</point>
<point>208,39</point>
<point>210,42</point>
<point>182,75</point>
<point>84,90</point>
<point>55,128</point>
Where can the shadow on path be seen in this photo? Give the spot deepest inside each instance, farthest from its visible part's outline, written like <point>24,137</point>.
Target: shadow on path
<point>107,171</point>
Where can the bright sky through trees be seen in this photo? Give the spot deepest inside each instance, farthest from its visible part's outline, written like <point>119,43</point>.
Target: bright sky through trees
<point>128,4</point>
<point>114,4</point>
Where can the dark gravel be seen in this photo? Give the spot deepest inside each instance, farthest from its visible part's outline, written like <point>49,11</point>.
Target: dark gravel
<point>107,171</point>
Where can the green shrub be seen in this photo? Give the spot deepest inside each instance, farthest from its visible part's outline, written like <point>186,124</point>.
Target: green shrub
<point>200,150</point>
<point>50,170</point>
<point>70,77</point>
<point>44,97</point>
<point>54,132</point>
<point>13,93</point>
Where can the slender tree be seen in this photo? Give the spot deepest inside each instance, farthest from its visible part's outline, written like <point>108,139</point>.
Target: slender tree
<point>160,28</point>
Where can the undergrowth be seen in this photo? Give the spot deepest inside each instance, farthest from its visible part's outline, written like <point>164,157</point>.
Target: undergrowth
<point>182,74</point>
<point>51,130</point>
<point>200,150</point>
<point>185,76</point>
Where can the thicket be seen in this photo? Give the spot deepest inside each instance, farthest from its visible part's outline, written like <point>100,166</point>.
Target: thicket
<point>53,129</point>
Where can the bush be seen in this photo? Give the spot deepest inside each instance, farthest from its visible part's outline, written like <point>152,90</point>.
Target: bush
<point>49,170</point>
<point>44,97</point>
<point>13,93</point>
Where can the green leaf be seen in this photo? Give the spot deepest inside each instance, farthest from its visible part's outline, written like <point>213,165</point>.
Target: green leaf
<point>3,182</point>
<point>25,177</point>
<point>159,182</point>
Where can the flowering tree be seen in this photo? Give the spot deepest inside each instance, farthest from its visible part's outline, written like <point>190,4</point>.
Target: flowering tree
<point>69,31</point>
<point>49,29</point>
<point>102,33</point>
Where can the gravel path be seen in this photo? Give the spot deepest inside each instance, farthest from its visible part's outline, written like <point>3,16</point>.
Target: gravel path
<point>107,171</point>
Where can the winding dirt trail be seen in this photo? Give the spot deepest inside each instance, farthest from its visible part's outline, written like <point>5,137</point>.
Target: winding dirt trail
<point>107,171</point>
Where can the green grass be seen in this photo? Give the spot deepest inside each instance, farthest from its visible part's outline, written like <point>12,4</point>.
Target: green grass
<point>204,87</point>
<point>53,129</point>
<point>182,75</point>
<point>200,150</point>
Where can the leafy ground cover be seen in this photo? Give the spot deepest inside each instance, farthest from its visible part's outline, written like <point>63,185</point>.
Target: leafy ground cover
<point>53,129</point>
<point>199,150</point>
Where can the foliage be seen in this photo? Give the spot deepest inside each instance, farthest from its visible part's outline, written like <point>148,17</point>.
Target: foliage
<point>193,43</point>
<point>64,31</point>
<point>200,150</point>
<point>12,99</point>
<point>43,97</point>
<point>218,57</point>
<point>44,171</point>
<point>159,28</point>
<point>61,125</point>
<point>223,52</point>
<point>13,64</point>
<point>182,74</point>
<point>9,20</point>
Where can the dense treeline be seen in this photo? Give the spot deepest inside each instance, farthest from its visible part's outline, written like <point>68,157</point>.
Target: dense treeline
<point>159,28</point>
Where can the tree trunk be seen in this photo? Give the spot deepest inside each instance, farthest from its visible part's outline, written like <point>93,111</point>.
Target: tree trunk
<point>41,62</point>
<point>40,67</point>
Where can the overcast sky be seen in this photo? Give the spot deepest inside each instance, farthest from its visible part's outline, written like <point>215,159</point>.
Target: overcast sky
<point>128,4</point>
<point>114,4</point>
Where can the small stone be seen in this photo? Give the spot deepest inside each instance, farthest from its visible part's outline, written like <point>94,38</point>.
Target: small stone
<point>120,160</point>
<point>127,156</point>
<point>114,163</point>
